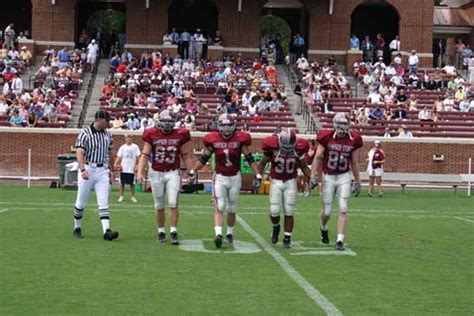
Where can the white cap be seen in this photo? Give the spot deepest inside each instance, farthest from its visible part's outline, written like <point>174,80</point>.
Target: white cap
<point>93,41</point>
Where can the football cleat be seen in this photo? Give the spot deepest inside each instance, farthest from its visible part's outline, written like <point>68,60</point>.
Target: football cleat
<point>230,239</point>
<point>275,233</point>
<point>77,233</point>
<point>324,236</point>
<point>161,237</point>
<point>110,235</point>
<point>287,242</point>
<point>340,245</point>
<point>218,241</point>
<point>369,194</point>
<point>174,238</point>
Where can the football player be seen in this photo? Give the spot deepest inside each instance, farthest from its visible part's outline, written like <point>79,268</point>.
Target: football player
<point>286,154</point>
<point>336,156</point>
<point>166,145</point>
<point>228,145</point>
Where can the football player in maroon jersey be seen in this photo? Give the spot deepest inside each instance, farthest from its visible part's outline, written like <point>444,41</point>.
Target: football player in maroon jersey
<point>166,145</point>
<point>228,145</point>
<point>375,162</point>
<point>336,157</point>
<point>286,154</point>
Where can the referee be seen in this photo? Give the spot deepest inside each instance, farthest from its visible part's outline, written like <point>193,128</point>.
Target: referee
<point>93,147</point>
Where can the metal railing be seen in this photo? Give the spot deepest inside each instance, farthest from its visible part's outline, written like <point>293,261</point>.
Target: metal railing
<point>87,97</point>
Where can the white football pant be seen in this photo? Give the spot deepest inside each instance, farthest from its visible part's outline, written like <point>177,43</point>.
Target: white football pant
<point>99,180</point>
<point>282,196</point>
<point>336,184</point>
<point>168,183</point>
<point>226,190</point>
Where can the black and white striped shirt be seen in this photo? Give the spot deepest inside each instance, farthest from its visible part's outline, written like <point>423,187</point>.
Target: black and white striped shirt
<point>96,144</point>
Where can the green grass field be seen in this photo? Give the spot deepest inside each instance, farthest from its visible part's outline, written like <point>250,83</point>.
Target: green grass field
<point>409,254</point>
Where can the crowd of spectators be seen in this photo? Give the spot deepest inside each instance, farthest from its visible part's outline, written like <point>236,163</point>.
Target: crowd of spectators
<point>140,85</point>
<point>192,45</point>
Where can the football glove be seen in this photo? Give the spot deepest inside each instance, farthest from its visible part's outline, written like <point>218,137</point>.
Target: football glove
<point>356,188</point>
<point>313,181</point>
<point>256,184</point>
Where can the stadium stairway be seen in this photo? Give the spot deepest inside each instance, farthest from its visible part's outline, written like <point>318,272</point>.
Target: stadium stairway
<point>96,93</point>
<point>293,99</point>
<point>82,94</point>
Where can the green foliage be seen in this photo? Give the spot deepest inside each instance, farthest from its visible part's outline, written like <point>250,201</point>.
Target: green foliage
<point>414,257</point>
<point>271,25</point>
<point>108,21</point>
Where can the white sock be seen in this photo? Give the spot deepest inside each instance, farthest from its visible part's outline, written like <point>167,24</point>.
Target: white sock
<point>173,229</point>
<point>105,224</point>
<point>324,227</point>
<point>218,230</point>
<point>340,237</point>
<point>230,230</point>
<point>161,230</point>
<point>287,234</point>
<point>77,223</point>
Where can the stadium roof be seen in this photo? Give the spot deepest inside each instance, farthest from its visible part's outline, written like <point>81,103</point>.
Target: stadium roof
<point>455,3</point>
<point>446,16</point>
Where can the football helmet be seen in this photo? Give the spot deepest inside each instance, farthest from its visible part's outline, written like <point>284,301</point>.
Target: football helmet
<point>226,125</point>
<point>287,140</point>
<point>342,124</point>
<point>165,121</point>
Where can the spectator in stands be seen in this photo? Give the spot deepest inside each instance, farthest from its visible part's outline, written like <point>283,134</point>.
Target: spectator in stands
<point>133,123</point>
<point>467,54</point>
<point>367,49</point>
<point>362,118</point>
<point>10,36</point>
<point>167,39</point>
<point>404,132</point>
<point>375,97</point>
<point>298,44</point>
<point>424,115</point>
<point>402,98</point>
<point>218,39</point>
<point>459,50</point>
<point>354,42</point>
<point>185,38</point>
<point>92,52</point>
<point>326,107</point>
<point>449,104</point>
<point>25,56</point>
<point>400,113</point>
<point>379,45</point>
<point>16,85</point>
<point>413,61</point>
<point>117,122</point>
<point>394,45</point>
<point>387,134</point>
<point>387,111</point>
<point>15,119</point>
<point>377,113</point>
<point>83,39</point>
<point>464,105</point>
<point>412,103</point>
<point>302,62</point>
<point>459,95</point>
<point>64,57</point>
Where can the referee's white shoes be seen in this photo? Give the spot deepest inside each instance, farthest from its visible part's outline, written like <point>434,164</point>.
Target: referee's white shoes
<point>120,199</point>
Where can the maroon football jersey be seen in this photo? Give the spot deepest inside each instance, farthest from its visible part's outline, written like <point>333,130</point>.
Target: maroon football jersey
<point>227,151</point>
<point>378,156</point>
<point>338,153</point>
<point>166,148</point>
<point>284,166</point>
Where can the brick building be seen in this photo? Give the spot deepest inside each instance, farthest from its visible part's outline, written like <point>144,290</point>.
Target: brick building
<point>326,24</point>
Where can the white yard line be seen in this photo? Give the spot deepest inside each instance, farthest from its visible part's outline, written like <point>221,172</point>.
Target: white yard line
<point>3,210</point>
<point>464,219</point>
<point>310,290</point>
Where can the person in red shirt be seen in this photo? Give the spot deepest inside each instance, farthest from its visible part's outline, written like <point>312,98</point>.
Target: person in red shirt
<point>286,154</point>
<point>375,162</point>
<point>166,145</point>
<point>336,157</point>
<point>227,145</point>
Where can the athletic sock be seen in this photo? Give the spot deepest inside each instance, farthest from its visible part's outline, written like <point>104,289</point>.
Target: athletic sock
<point>340,237</point>
<point>288,234</point>
<point>324,227</point>
<point>161,230</point>
<point>173,229</point>
<point>105,224</point>
<point>230,230</point>
<point>77,223</point>
<point>218,230</point>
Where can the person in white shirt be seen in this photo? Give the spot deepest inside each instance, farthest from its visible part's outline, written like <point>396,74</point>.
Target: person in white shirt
<point>390,70</point>
<point>424,115</point>
<point>16,85</point>
<point>302,63</point>
<point>126,163</point>
<point>167,40</point>
<point>395,44</point>
<point>374,97</point>
<point>404,133</point>
<point>450,69</point>
<point>413,62</point>
<point>246,98</point>
<point>92,52</point>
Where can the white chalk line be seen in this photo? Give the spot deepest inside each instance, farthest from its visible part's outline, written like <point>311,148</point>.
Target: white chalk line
<point>3,210</point>
<point>464,219</point>
<point>210,207</point>
<point>310,290</point>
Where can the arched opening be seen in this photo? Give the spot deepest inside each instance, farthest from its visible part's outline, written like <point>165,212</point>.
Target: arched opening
<point>372,18</point>
<point>192,15</point>
<point>103,21</point>
<point>288,18</point>
<point>275,38</point>
<point>17,12</point>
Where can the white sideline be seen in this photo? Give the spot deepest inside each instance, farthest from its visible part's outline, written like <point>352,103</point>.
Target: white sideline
<point>3,210</point>
<point>311,291</point>
<point>464,219</point>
